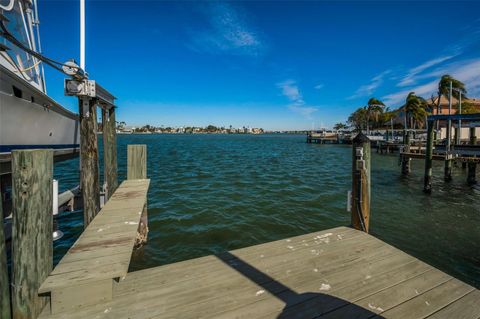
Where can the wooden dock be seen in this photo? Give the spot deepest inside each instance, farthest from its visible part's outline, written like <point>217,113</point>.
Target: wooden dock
<point>328,138</point>
<point>336,273</point>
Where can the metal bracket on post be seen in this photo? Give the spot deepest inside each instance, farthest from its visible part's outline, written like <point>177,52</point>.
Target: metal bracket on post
<point>79,85</point>
<point>360,163</point>
<point>85,107</point>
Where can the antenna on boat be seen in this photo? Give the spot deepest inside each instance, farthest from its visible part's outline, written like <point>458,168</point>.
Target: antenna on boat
<point>82,34</point>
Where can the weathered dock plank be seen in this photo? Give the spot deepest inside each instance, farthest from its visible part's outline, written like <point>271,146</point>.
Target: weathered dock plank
<point>464,308</point>
<point>101,254</point>
<point>431,301</point>
<point>337,273</point>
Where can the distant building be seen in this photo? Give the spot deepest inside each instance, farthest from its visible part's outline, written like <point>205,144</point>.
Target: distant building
<point>399,119</point>
<point>444,104</point>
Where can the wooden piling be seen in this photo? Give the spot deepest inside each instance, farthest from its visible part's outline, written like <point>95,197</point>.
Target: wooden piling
<point>447,176</point>
<point>109,151</point>
<point>427,180</point>
<point>472,173</point>
<point>137,169</point>
<point>4,284</point>
<point>456,133</point>
<point>472,166</point>
<point>32,242</point>
<point>473,137</point>
<point>361,182</point>
<point>89,159</point>
<point>405,159</point>
<point>136,161</point>
<point>448,168</point>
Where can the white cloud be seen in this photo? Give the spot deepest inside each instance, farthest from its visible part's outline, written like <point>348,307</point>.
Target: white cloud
<point>368,89</point>
<point>305,111</point>
<point>291,91</point>
<point>411,77</point>
<point>319,86</point>
<point>228,31</point>
<point>467,71</point>
<point>425,90</point>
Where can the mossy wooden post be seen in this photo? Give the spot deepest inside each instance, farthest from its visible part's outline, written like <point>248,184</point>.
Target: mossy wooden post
<point>32,241</point>
<point>89,159</point>
<point>109,150</point>
<point>137,169</point>
<point>472,166</point>
<point>406,160</point>
<point>361,182</point>
<point>4,284</point>
<point>427,179</point>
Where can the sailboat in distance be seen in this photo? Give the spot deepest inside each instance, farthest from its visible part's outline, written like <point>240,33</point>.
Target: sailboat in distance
<point>29,118</point>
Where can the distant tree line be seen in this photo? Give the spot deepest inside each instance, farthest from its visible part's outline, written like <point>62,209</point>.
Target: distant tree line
<point>121,126</point>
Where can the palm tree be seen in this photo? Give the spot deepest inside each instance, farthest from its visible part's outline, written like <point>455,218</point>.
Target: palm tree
<point>415,109</point>
<point>374,108</point>
<point>339,126</point>
<point>444,89</point>
<point>358,118</point>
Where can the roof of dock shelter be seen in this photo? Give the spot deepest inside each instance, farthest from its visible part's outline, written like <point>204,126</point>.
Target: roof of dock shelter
<point>474,117</point>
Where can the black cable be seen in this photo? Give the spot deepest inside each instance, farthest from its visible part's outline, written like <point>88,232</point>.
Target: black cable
<point>11,38</point>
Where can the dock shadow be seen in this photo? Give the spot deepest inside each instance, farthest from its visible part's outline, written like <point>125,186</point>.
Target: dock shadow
<point>304,305</point>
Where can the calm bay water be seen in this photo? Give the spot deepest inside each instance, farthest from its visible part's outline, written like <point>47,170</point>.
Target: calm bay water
<point>211,193</point>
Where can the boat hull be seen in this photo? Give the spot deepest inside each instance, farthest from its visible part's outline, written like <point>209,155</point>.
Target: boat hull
<point>32,120</point>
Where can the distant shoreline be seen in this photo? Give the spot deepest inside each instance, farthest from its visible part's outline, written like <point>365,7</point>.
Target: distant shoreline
<point>210,133</point>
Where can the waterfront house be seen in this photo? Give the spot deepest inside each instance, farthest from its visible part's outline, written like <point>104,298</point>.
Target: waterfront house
<point>444,104</point>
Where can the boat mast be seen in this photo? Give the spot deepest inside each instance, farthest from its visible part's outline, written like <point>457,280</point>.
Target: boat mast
<point>82,34</point>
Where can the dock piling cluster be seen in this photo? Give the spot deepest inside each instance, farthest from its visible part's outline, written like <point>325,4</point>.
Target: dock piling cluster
<point>458,152</point>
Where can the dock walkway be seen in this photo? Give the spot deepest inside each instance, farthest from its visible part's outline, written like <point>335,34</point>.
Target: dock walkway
<point>336,273</point>
<point>101,255</point>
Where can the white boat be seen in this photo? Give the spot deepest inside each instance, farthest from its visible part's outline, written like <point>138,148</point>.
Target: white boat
<point>29,119</point>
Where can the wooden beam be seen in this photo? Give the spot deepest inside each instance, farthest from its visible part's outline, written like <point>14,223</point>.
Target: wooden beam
<point>454,117</point>
<point>361,182</point>
<point>32,242</point>
<point>5,311</point>
<point>137,161</point>
<point>89,159</point>
<point>109,151</point>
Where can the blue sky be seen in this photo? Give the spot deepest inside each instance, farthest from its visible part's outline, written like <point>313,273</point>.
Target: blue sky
<point>276,65</point>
